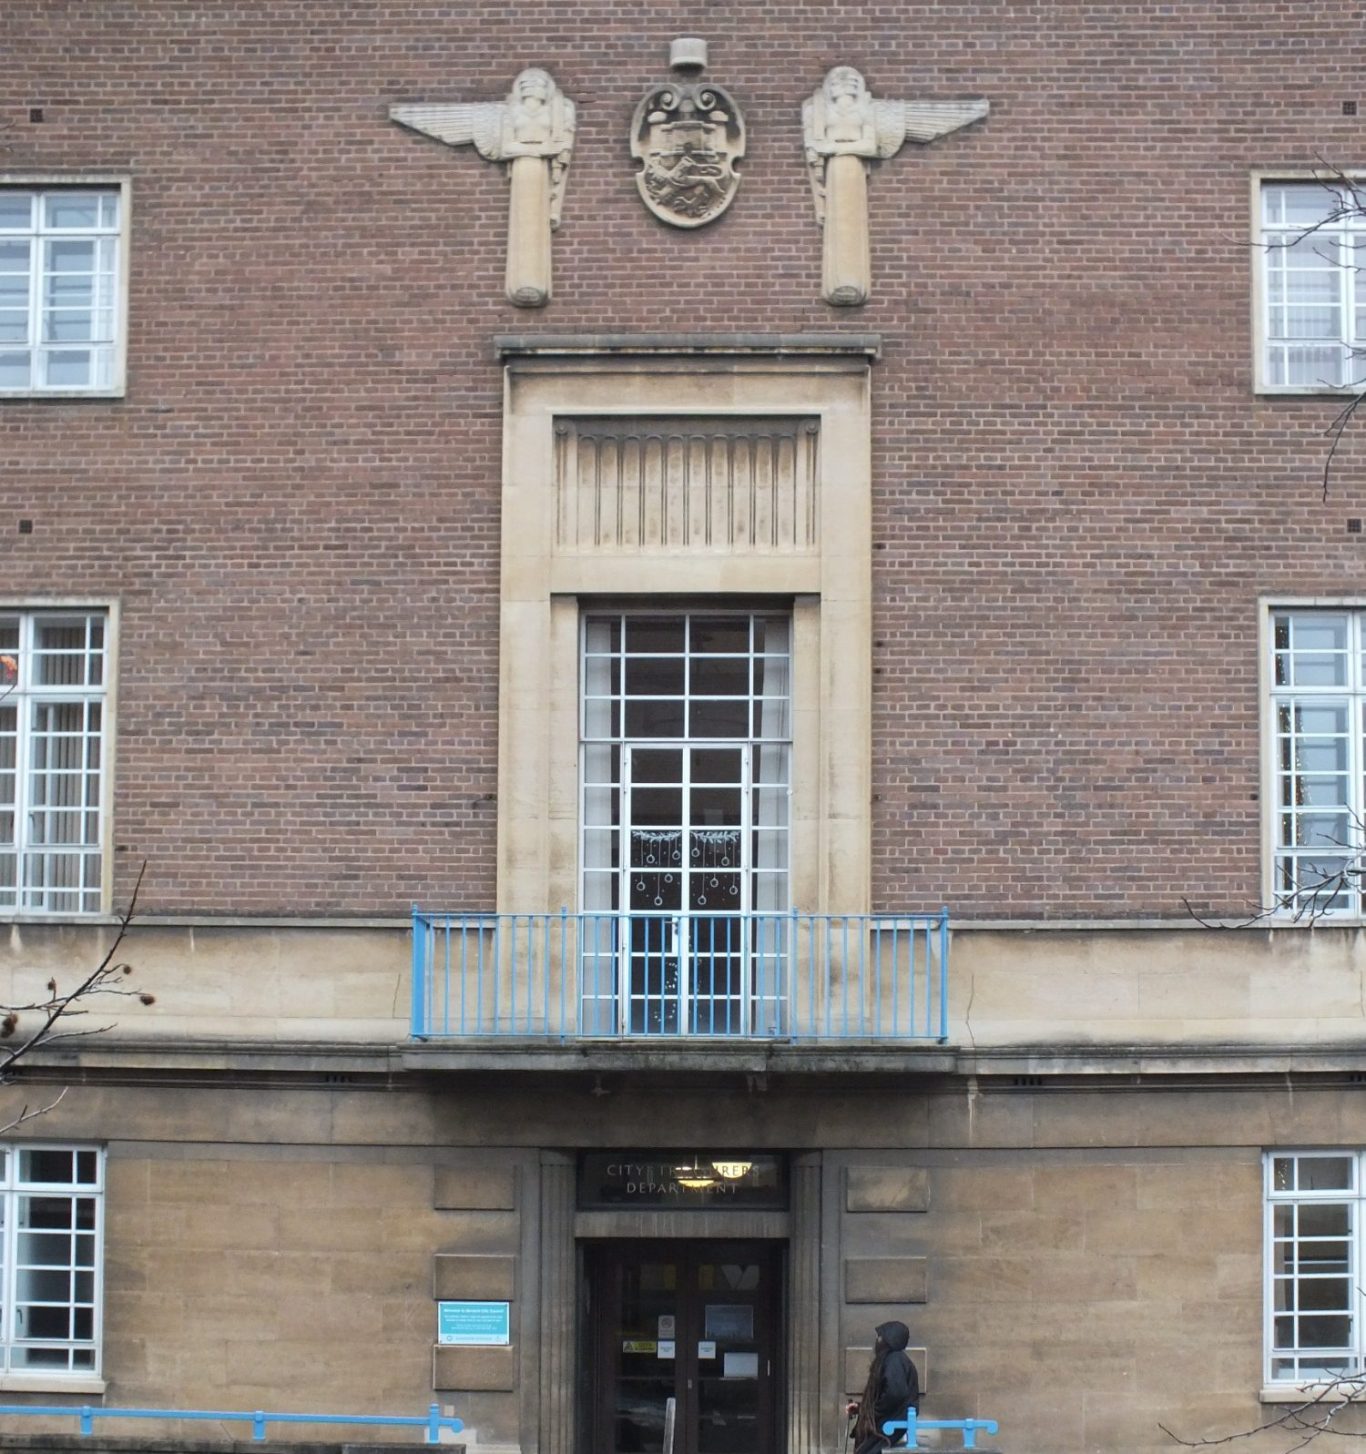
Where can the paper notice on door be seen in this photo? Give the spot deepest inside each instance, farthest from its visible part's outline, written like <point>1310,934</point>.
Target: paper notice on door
<point>666,1347</point>
<point>666,1325</point>
<point>729,1321</point>
<point>706,1350</point>
<point>740,1365</point>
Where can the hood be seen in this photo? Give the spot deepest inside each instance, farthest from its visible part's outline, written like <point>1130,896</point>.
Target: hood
<point>894,1335</point>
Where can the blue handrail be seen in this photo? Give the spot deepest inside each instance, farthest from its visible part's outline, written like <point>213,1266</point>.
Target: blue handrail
<point>912,1422</point>
<point>434,1422</point>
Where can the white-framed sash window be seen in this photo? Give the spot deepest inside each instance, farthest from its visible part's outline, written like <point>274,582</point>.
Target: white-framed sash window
<point>1313,1303</point>
<point>62,280</point>
<point>1311,250</point>
<point>53,756</point>
<point>52,1207</point>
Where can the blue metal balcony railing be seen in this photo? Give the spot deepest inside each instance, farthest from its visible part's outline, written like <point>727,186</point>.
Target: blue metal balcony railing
<point>755,976</point>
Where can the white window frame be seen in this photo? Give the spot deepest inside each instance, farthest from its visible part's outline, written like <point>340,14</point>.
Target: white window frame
<point>14,1190</point>
<point>1306,1374</point>
<point>1273,895</point>
<point>1260,257</point>
<point>28,611</point>
<point>75,182</point>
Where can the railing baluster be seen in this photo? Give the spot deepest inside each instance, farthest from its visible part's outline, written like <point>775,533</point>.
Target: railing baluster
<point>418,986</point>
<point>564,969</point>
<point>479,975</point>
<point>446,965</point>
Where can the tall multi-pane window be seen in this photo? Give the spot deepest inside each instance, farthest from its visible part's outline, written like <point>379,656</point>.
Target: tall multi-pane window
<point>52,760</point>
<point>60,290</point>
<point>52,1235</point>
<point>1313,249</point>
<point>1314,1328</point>
<point>686,744</point>
<point>1318,676</point>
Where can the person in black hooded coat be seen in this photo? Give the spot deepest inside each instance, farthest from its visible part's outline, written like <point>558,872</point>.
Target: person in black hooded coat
<point>893,1386</point>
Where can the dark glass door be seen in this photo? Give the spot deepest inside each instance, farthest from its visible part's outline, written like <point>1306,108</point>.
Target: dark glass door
<point>683,1344</point>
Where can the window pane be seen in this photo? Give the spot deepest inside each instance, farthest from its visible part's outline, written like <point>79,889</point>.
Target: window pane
<point>16,369</point>
<point>46,1165</point>
<point>1327,1173</point>
<point>70,369</point>
<point>16,210</point>
<point>1299,204</point>
<point>717,634</point>
<point>1324,1332</point>
<point>649,634</point>
<point>1312,367</point>
<point>72,209</point>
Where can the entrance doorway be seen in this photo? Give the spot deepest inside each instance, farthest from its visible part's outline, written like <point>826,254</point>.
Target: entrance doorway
<point>684,1347</point>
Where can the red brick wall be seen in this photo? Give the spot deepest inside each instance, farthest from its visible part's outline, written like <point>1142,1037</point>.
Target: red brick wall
<point>1077,498</point>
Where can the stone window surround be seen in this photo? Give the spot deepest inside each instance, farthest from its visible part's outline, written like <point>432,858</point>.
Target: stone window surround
<point>544,588</point>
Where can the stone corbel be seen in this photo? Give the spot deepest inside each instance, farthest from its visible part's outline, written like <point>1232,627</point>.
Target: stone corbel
<point>532,131</point>
<point>843,126</point>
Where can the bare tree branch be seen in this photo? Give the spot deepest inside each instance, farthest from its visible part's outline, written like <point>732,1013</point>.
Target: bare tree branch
<point>55,1012</point>
<point>1303,1422</point>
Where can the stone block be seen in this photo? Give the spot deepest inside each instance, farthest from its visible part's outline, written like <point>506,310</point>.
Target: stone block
<point>474,1369</point>
<point>477,1277</point>
<point>885,1280</point>
<point>475,1189</point>
<point>887,1189</point>
<point>856,1362</point>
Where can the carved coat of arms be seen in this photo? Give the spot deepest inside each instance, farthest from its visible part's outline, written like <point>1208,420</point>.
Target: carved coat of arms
<point>689,136</point>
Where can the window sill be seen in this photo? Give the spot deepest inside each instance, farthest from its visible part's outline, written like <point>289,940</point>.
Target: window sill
<point>1298,1393</point>
<point>51,1383</point>
<point>59,396</point>
<point>26,917</point>
<point>1308,391</point>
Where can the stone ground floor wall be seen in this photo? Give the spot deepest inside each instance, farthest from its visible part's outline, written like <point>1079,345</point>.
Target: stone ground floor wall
<point>1081,1262</point>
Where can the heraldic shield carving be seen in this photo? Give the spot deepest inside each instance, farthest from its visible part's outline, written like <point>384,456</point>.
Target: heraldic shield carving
<point>689,135</point>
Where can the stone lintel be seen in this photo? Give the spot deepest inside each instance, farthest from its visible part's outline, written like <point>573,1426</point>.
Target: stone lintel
<point>664,345</point>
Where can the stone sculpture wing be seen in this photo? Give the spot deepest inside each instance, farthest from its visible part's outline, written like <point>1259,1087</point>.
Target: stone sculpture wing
<point>897,121</point>
<point>458,124</point>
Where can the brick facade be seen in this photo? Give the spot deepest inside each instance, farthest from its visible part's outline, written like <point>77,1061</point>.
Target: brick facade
<point>1077,498</point>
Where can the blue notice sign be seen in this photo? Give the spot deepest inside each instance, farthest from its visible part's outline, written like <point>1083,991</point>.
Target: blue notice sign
<point>472,1324</point>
